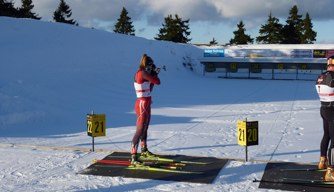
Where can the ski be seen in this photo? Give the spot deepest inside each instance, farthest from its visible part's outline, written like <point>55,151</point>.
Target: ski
<point>150,168</point>
<point>306,169</point>
<point>162,159</point>
<point>158,159</point>
<point>309,182</point>
<point>127,164</point>
<point>313,181</point>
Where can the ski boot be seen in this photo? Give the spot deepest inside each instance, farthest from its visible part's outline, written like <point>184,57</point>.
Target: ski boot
<point>146,153</point>
<point>329,175</point>
<point>134,160</point>
<point>323,164</point>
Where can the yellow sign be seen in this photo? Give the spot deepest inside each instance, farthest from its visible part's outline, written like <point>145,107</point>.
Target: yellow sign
<point>303,66</point>
<point>255,68</point>
<point>319,53</point>
<point>233,67</point>
<point>280,66</point>
<point>96,125</point>
<point>248,133</point>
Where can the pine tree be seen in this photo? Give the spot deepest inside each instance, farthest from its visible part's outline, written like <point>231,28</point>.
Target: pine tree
<point>168,30</point>
<point>7,9</point>
<point>308,36</point>
<point>124,24</point>
<point>26,10</point>
<point>176,30</point>
<point>213,42</point>
<point>240,37</point>
<point>292,31</point>
<point>270,33</point>
<point>63,13</point>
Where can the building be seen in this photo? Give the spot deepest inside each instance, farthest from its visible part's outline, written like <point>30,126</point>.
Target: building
<point>304,62</point>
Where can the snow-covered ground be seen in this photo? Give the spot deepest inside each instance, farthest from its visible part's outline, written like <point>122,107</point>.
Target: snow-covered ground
<point>53,74</point>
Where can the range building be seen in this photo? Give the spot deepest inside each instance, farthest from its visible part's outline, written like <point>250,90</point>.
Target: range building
<point>302,62</point>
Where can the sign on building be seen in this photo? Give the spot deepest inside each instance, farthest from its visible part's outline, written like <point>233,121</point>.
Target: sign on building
<point>214,53</point>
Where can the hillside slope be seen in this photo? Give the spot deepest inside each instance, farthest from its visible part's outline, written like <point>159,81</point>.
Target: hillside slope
<point>53,74</point>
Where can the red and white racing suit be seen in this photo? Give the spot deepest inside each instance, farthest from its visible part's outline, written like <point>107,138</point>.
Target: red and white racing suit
<point>143,83</point>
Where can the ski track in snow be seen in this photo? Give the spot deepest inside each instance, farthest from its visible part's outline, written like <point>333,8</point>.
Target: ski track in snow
<point>204,129</point>
<point>205,119</point>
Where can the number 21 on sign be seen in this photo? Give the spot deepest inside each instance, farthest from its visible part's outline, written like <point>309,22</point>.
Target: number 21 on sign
<point>96,125</point>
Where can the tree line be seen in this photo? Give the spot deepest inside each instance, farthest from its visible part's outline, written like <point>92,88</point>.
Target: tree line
<point>25,11</point>
<point>61,14</point>
<point>173,29</point>
<point>296,30</point>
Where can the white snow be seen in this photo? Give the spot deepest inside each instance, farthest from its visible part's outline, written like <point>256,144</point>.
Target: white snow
<point>53,74</point>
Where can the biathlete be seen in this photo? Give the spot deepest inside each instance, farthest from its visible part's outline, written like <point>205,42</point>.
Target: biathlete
<point>325,89</point>
<point>144,80</point>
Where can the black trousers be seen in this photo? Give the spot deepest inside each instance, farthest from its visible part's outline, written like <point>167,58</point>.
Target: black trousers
<point>327,114</point>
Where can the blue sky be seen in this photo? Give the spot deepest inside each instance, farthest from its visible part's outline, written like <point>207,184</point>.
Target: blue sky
<point>208,18</point>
